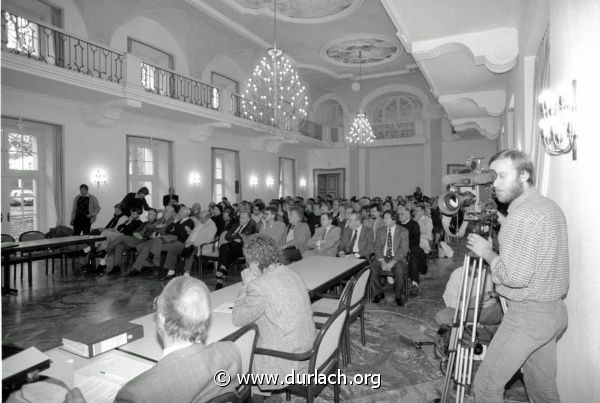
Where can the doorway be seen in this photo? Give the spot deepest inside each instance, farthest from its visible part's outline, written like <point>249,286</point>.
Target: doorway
<point>329,182</point>
<point>226,175</point>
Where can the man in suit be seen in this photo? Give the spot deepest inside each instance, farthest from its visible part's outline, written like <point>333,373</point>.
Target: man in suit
<point>357,240</point>
<point>391,248</point>
<point>273,228</point>
<point>375,220</point>
<point>298,235</point>
<point>188,365</point>
<point>203,233</point>
<point>326,238</point>
<point>232,243</point>
<point>171,199</point>
<point>416,258</point>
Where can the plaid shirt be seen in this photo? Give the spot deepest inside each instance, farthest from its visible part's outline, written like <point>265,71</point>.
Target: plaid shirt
<point>533,264</point>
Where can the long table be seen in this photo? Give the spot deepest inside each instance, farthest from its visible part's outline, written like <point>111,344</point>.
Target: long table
<point>318,272</point>
<point>28,248</point>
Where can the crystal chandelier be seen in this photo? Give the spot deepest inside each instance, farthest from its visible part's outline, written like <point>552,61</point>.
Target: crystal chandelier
<point>274,94</point>
<point>360,132</point>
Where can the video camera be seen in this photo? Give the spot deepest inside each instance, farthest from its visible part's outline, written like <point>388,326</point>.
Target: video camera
<point>473,194</point>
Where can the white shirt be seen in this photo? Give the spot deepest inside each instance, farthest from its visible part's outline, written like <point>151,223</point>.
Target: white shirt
<point>355,246</point>
<point>172,349</point>
<point>290,234</point>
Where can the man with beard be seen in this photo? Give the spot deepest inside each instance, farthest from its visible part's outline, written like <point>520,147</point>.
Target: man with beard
<point>532,273</point>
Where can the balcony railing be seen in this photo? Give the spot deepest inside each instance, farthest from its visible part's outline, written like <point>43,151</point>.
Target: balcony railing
<point>55,47</point>
<point>170,84</point>
<point>311,129</point>
<point>385,131</point>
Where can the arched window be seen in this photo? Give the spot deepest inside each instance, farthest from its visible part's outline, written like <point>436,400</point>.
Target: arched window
<point>334,122</point>
<point>394,117</point>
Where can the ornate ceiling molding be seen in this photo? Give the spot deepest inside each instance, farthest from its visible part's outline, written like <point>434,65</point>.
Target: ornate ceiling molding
<point>108,113</point>
<point>391,88</point>
<point>491,103</point>
<point>488,127</point>
<point>497,49</point>
<point>374,50</point>
<point>270,144</point>
<point>299,12</point>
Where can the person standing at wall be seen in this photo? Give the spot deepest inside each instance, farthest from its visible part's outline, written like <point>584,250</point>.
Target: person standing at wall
<point>85,210</point>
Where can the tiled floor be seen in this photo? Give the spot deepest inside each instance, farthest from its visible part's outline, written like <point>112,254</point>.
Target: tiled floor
<point>40,315</point>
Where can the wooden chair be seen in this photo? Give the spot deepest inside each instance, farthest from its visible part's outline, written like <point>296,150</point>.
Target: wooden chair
<point>356,307</point>
<point>245,339</point>
<point>323,357</point>
<point>7,238</point>
<point>211,255</point>
<point>33,236</point>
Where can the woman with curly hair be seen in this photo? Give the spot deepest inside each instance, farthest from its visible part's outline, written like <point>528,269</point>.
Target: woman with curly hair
<point>275,298</point>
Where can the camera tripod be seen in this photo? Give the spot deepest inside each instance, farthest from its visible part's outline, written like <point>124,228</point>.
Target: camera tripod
<point>461,347</point>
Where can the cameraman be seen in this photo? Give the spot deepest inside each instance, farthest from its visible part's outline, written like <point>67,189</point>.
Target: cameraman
<point>532,274</point>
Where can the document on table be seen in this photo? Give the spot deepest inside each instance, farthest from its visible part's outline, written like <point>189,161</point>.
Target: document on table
<point>225,308</point>
<point>101,380</point>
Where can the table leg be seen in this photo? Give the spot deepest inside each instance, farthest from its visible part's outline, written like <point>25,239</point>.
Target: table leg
<point>6,287</point>
<point>93,254</point>
<point>29,271</point>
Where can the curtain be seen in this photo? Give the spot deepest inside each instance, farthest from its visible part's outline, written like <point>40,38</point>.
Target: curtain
<point>541,80</point>
<point>59,199</point>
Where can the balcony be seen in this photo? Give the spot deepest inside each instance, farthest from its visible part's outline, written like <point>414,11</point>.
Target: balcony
<point>117,78</point>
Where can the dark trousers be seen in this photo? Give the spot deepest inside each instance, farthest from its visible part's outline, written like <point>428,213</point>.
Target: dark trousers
<point>229,252</point>
<point>379,280</point>
<point>81,224</point>
<point>417,263</point>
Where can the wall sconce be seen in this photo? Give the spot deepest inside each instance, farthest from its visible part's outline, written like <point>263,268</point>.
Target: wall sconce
<point>253,181</point>
<point>99,177</point>
<point>557,126</point>
<point>195,179</point>
<point>270,182</point>
<point>302,183</point>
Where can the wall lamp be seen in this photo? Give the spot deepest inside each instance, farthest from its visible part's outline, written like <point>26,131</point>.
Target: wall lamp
<point>270,182</point>
<point>253,181</point>
<point>195,179</point>
<point>557,125</point>
<point>302,183</point>
<point>99,177</point>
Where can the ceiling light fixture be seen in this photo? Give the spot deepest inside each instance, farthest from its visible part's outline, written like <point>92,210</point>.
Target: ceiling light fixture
<point>360,132</point>
<point>274,94</point>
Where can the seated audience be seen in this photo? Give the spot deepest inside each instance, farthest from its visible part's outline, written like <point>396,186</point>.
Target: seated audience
<point>174,240</point>
<point>274,297</point>
<point>195,214</point>
<point>326,238</point>
<point>231,247</point>
<point>126,230</point>
<point>171,199</point>
<point>298,235</point>
<point>229,220</point>
<point>136,200</point>
<point>490,311</point>
<point>375,219</point>
<point>357,241</point>
<point>426,227</point>
<point>273,228</point>
<point>416,263</point>
<point>85,210</point>
<point>204,232</point>
<point>147,236</point>
<point>391,249</point>
<point>311,218</point>
<point>188,365</point>
<point>217,210</point>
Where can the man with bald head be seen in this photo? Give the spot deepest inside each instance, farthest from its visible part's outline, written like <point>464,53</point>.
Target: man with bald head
<point>188,365</point>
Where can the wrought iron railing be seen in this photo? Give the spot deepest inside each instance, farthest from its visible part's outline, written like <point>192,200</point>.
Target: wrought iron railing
<point>384,131</point>
<point>170,84</point>
<point>252,110</point>
<point>53,46</point>
<point>311,129</point>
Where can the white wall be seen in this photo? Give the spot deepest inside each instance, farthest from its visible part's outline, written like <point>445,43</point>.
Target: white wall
<point>89,147</point>
<point>395,170</point>
<point>574,54</point>
<point>457,152</point>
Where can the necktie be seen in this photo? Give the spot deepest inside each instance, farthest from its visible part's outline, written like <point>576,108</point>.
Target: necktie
<point>324,234</point>
<point>388,245</point>
<point>239,229</point>
<point>352,241</point>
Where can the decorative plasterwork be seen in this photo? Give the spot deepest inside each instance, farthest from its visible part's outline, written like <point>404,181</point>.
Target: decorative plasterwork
<point>107,113</point>
<point>497,49</point>
<point>375,50</point>
<point>392,88</point>
<point>299,11</point>
<point>488,127</point>
<point>474,103</point>
<point>201,133</point>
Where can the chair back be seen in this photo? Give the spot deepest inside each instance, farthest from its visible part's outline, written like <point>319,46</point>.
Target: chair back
<point>228,397</point>
<point>327,343</point>
<point>360,288</point>
<point>31,236</point>
<point>7,238</point>
<point>347,293</point>
<point>245,339</point>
